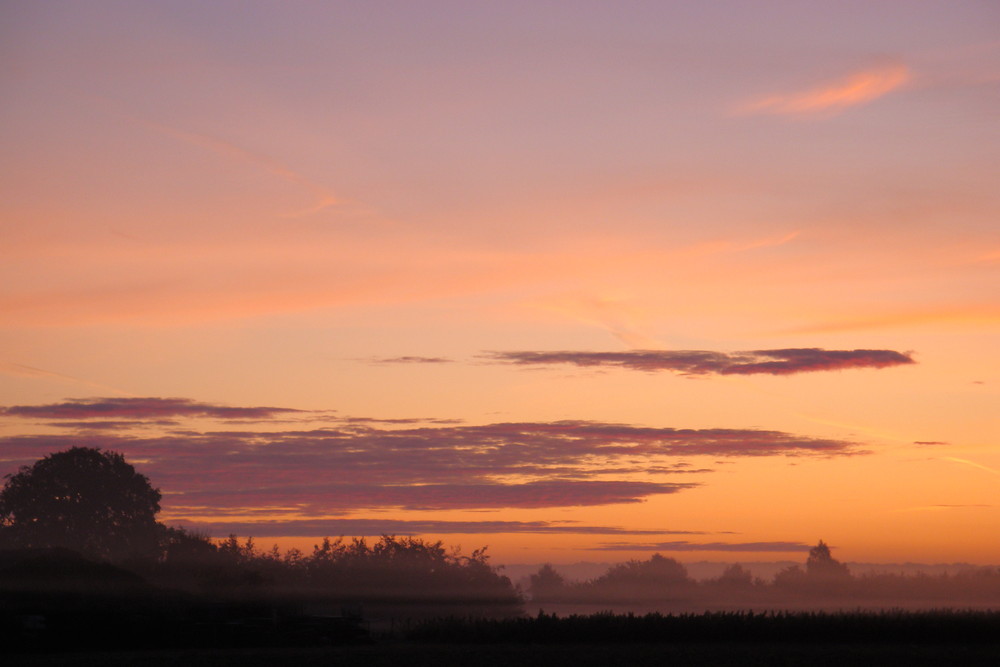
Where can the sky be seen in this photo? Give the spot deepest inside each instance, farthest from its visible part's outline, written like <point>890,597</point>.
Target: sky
<point>577,281</point>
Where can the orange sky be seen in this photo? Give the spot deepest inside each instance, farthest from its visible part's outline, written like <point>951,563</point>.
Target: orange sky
<point>762,238</point>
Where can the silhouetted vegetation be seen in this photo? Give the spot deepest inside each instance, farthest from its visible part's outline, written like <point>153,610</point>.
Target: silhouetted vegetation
<point>742,626</point>
<point>82,499</point>
<point>956,628</point>
<point>82,553</point>
<point>95,504</point>
<point>84,564</point>
<point>824,582</point>
<point>390,568</point>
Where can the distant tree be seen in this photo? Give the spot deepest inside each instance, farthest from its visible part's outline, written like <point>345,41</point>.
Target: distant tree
<point>655,579</point>
<point>821,564</point>
<point>657,571</point>
<point>546,584</point>
<point>180,546</point>
<point>790,577</point>
<point>735,576</point>
<point>84,499</point>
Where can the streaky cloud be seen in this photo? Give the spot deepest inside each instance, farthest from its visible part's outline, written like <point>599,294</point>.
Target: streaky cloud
<point>704,362</point>
<point>410,359</point>
<point>20,370</point>
<point>367,527</point>
<point>964,315</point>
<point>973,464</point>
<point>323,196</point>
<point>351,466</point>
<point>325,498</point>
<point>139,408</point>
<point>682,545</point>
<point>946,506</point>
<point>114,425</point>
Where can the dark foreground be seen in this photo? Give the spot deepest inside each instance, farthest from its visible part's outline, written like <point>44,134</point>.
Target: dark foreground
<point>889,638</point>
<point>523,655</point>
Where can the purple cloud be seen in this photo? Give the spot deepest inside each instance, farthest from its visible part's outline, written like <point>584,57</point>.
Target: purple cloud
<point>705,546</point>
<point>398,421</point>
<point>139,408</point>
<point>412,360</point>
<point>339,497</point>
<point>119,425</point>
<point>359,527</point>
<point>355,465</point>
<point>704,362</point>
<point>334,470</point>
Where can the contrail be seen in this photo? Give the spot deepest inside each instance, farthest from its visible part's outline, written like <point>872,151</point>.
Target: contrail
<point>20,370</point>
<point>971,463</point>
<point>324,196</point>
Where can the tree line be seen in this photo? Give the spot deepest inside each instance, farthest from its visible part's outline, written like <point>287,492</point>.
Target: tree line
<point>822,580</point>
<point>89,503</point>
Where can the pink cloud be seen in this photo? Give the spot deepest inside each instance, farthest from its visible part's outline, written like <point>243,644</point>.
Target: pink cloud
<point>854,90</point>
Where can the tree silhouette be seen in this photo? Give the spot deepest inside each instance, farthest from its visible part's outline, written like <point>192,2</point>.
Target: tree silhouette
<point>82,499</point>
<point>735,576</point>
<point>822,564</point>
<point>546,584</point>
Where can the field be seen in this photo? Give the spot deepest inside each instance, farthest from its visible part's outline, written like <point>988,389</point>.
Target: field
<point>524,655</point>
<point>772,639</point>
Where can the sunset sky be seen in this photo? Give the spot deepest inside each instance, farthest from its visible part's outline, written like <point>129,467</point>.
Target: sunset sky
<point>576,280</point>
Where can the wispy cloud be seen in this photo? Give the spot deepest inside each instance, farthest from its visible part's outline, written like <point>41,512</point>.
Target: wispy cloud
<point>705,546</point>
<point>399,421</point>
<point>944,507</point>
<point>411,360</point>
<point>853,90</point>
<point>705,362</point>
<point>20,370</point>
<point>114,425</point>
<point>139,408</point>
<point>972,314</point>
<point>967,462</point>
<point>324,197</point>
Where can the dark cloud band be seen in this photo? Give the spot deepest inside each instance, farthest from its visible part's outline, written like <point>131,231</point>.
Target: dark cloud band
<point>339,497</point>
<point>705,362</point>
<point>355,465</point>
<point>359,527</point>
<point>706,546</point>
<point>140,408</point>
<point>411,360</point>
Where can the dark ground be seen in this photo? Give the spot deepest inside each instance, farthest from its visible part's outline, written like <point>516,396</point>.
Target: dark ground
<point>575,655</point>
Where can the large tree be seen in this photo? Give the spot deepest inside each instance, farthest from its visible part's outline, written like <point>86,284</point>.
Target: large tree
<point>84,499</point>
